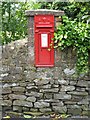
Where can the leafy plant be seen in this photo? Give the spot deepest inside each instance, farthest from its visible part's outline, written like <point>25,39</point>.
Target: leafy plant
<point>34,4</point>
<point>14,22</point>
<point>77,35</point>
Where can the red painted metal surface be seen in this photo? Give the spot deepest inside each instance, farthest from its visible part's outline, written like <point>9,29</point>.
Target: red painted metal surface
<point>44,32</point>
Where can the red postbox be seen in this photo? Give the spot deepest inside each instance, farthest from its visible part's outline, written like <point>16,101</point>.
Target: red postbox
<point>44,32</point>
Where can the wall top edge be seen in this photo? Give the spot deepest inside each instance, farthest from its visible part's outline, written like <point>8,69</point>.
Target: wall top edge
<point>43,12</point>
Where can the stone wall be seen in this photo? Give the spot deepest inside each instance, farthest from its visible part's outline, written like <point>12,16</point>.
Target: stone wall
<point>27,88</point>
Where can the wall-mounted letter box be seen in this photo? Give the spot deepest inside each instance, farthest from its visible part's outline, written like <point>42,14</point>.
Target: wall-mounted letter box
<point>44,32</point>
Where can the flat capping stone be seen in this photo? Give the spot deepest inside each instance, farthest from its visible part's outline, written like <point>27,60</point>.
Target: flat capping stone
<point>43,12</point>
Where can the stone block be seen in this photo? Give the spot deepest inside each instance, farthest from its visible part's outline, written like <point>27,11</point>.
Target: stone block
<point>63,82</point>
<point>62,96</point>
<point>41,104</point>
<point>49,100</point>
<point>60,103</point>
<point>22,84</point>
<point>22,103</point>
<point>42,76</point>
<point>85,107</point>
<point>18,89</point>
<point>30,84</point>
<point>15,70</point>
<point>17,108</point>
<point>57,73</point>
<point>71,102</point>
<point>76,98</point>
<point>4,74</point>
<point>14,114</point>
<point>58,58</point>
<point>32,87</point>
<point>6,103</point>
<point>60,109</point>
<point>17,77</point>
<point>31,99</point>
<point>68,71</point>
<point>10,84</point>
<point>6,108</point>
<point>34,109</point>
<point>0,115</point>
<point>14,96</point>
<point>67,88</point>
<point>48,95</point>
<point>25,109</point>
<point>78,93</point>
<point>30,75</point>
<point>8,79</point>
<point>52,90</point>
<point>5,97</point>
<point>80,89</point>
<point>34,94</point>
<point>86,113</point>
<point>55,86</point>
<point>82,83</point>
<point>73,82</point>
<point>75,111</point>
<point>84,102</point>
<point>44,110</point>
<point>45,86</point>
<point>6,90</point>
<point>74,106</point>
<point>41,82</point>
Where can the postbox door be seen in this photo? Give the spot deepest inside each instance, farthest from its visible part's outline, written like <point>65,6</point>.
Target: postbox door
<point>44,53</point>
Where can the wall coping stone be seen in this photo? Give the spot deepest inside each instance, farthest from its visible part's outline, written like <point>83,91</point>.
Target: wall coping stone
<point>45,118</point>
<point>44,11</point>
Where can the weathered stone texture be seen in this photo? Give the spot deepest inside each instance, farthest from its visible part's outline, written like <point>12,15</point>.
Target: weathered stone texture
<point>41,104</point>
<point>62,95</point>
<point>60,109</point>
<point>41,82</point>
<point>35,94</point>
<point>67,88</point>
<point>6,103</point>
<point>50,90</point>
<point>18,89</point>
<point>44,110</point>
<point>14,96</point>
<point>6,90</point>
<point>22,103</point>
<point>31,99</point>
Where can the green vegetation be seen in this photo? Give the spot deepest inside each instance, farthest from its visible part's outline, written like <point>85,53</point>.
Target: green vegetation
<point>76,35</point>
<point>14,22</point>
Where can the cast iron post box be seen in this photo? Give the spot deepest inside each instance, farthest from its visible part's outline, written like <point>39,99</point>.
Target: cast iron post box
<point>44,33</point>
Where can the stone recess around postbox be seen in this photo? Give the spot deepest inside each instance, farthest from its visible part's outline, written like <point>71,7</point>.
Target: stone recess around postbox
<point>56,13</point>
<point>31,14</point>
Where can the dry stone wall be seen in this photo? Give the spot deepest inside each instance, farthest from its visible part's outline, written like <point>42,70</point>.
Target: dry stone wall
<point>27,88</point>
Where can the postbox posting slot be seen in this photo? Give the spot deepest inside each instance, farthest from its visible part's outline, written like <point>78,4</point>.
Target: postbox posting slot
<point>47,26</point>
